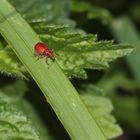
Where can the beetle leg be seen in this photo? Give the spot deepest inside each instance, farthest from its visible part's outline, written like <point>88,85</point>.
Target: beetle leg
<point>56,54</point>
<point>52,50</point>
<point>47,60</point>
<point>38,56</point>
<point>35,55</point>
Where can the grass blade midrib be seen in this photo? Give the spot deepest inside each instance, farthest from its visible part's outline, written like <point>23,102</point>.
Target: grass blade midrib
<point>57,89</point>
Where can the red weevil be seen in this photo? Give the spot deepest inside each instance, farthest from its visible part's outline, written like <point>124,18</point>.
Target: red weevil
<point>42,50</point>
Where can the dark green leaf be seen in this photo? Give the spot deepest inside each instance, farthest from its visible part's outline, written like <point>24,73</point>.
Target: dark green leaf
<point>43,10</point>
<point>9,63</point>
<point>14,125</point>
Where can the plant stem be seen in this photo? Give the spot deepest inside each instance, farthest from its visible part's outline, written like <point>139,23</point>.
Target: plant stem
<point>57,89</point>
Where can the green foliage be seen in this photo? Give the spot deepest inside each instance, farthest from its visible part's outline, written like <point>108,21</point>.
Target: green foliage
<point>9,63</point>
<point>98,105</point>
<point>13,123</point>
<point>92,11</point>
<point>78,50</point>
<point>134,11</point>
<point>128,104</point>
<point>61,95</point>
<point>44,10</point>
<point>75,51</point>
<point>101,107</point>
<point>12,99</point>
<point>125,32</point>
<point>15,91</point>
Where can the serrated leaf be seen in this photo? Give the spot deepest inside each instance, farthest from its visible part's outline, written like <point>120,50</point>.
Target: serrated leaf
<point>76,50</point>
<point>100,107</point>
<point>9,63</point>
<point>47,11</point>
<point>14,125</point>
<point>79,50</point>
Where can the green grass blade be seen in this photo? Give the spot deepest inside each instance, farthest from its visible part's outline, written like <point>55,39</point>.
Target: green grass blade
<point>56,87</point>
<point>125,32</point>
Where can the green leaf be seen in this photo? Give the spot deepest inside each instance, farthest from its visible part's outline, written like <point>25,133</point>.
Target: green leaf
<point>78,50</point>
<point>128,104</point>
<point>35,11</point>
<point>111,82</point>
<point>14,93</point>
<point>9,63</point>
<point>101,107</point>
<point>13,123</point>
<point>92,11</point>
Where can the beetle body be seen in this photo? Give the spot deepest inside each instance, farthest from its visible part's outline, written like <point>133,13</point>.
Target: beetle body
<point>42,50</point>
